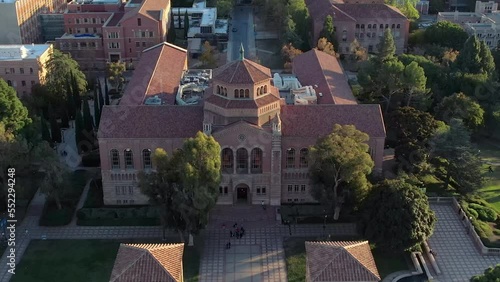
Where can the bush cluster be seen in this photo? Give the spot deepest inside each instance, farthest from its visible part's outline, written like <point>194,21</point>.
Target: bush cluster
<point>484,213</point>
<point>118,216</point>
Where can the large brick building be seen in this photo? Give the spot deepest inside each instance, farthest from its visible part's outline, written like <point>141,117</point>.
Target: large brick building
<point>264,139</point>
<point>364,20</point>
<point>101,31</point>
<point>19,20</point>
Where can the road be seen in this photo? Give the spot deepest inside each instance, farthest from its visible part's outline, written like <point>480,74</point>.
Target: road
<point>242,20</point>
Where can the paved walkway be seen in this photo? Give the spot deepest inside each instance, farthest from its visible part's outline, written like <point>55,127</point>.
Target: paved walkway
<point>457,257</point>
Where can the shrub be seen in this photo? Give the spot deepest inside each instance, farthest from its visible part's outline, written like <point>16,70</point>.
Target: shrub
<point>118,216</point>
<point>472,212</point>
<point>482,228</point>
<point>484,213</point>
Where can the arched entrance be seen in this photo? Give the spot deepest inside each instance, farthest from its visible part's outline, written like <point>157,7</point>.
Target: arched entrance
<point>242,194</point>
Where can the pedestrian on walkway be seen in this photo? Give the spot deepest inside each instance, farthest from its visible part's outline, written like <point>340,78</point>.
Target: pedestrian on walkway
<point>235,224</point>
<point>26,231</point>
<point>230,233</point>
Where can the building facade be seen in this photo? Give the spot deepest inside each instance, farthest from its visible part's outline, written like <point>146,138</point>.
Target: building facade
<point>483,23</point>
<point>103,31</point>
<point>19,19</point>
<point>264,140</point>
<point>360,20</point>
<point>22,66</point>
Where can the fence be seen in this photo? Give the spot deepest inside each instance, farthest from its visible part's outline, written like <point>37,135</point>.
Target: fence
<point>467,223</point>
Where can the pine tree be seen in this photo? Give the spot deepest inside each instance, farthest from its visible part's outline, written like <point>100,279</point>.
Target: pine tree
<point>79,128</point>
<point>97,112</point>
<point>101,97</point>
<point>487,61</point>
<point>386,47</point>
<point>186,24</point>
<point>76,92</point>
<point>71,100</point>
<point>328,30</point>
<point>87,118</point>
<point>106,94</point>
<point>171,36</point>
<point>55,130</point>
<point>179,26</point>
<point>469,60</point>
<point>45,130</point>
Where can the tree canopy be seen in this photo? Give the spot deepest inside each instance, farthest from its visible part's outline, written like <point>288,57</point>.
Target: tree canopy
<point>386,47</point>
<point>328,31</point>
<point>185,185</point>
<point>459,106</point>
<point>59,67</point>
<point>491,274</point>
<point>13,114</point>
<point>446,34</point>
<point>475,57</point>
<point>396,216</point>
<point>114,72</point>
<point>457,158</point>
<point>340,160</point>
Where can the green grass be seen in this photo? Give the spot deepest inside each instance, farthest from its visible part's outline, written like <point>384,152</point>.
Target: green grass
<point>295,254</point>
<point>67,260</point>
<point>87,260</point>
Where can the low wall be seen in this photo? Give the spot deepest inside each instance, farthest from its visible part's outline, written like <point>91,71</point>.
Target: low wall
<point>468,225</point>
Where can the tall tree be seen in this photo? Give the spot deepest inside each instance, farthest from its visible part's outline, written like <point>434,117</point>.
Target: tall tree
<point>224,8</point>
<point>45,130</point>
<point>179,18</point>
<point>106,92</point>
<point>289,52</point>
<point>459,106</point>
<point>171,36</point>
<point>413,130</point>
<point>414,81</point>
<point>114,73</point>
<point>76,92</point>
<point>87,117</point>
<point>386,47</point>
<point>491,274</point>
<point>290,34</point>
<point>185,186</point>
<point>446,34</point>
<point>469,59</point>
<point>207,56</point>
<point>326,46</point>
<point>71,108</point>
<point>487,61</point>
<point>55,182</point>
<point>299,13</point>
<point>407,7</point>
<point>79,132</point>
<point>340,160</point>
<point>357,52</point>
<point>97,111</point>
<point>458,159</point>
<point>397,216</point>
<point>186,24</point>
<point>13,114</point>
<point>59,67</point>
<point>328,30</point>
<point>55,130</point>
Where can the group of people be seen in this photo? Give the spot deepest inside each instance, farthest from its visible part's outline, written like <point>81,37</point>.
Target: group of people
<point>237,231</point>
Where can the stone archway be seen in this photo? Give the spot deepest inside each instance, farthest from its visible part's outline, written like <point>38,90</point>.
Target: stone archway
<point>242,194</point>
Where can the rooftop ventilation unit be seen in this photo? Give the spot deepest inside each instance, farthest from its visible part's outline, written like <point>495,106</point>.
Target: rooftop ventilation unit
<point>153,101</point>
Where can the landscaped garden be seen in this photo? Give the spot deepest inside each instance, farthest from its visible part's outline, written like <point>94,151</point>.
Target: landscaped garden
<point>295,253</point>
<point>95,213</point>
<point>52,216</point>
<point>85,260</point>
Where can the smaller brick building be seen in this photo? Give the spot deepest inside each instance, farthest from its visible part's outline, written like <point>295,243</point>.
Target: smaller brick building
<point>363,20</point>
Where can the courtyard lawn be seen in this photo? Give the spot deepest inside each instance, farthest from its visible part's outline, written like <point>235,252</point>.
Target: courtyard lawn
<point>86,260</point>
<point>295,254</point>
<point>490,153</point>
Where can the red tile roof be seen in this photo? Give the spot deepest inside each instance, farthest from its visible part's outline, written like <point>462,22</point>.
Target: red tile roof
<point>335,261</point>
<point>150,121</point>
<point>318,68</point>
<point>319,9</point>
<point>148,262</point>
<point>318,120</point>
<point>242,72</point>
<point>150,9</point>
<point>158,72</point>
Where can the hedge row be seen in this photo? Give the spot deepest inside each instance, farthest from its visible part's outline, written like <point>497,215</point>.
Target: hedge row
<point>483,213</point>
<point>126,216</point>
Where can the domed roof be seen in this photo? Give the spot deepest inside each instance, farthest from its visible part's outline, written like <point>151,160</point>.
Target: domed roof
<point>242,72</point>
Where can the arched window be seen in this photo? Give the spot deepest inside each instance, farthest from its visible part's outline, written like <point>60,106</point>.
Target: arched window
<point>236,93</point>
<point>381,26</point>
<point>227,160</point>
<point>265,88</point>
<point>393,26</point>
<point>146,159</point>
<point>247,93</point>
<point>303,158</point>
<point>256,160</point>
<point>386,25</point>
<point>115,159</point>
<point>369,26</point>
<point>218,89</point>
<point>290,158</point>
<point>398,26</point>
<point>362,26</point>
<point>258,91</point>
<point>242,93</point>
<point>242,160</point>
<point>225,91</point>
<point>129,159</point>
<point>357,25</point>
